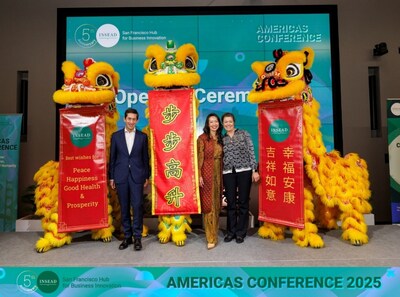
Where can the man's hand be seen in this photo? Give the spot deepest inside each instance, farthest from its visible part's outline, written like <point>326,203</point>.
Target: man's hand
<point>112,184</point>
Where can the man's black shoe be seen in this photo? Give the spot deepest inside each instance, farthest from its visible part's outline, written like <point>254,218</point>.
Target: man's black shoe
<point>239,239</point>
<point>125,243</point>
<point>137,244</point>
<point>229,237</point>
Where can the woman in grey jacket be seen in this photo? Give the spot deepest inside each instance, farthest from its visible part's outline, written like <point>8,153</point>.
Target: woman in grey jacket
<point>239,171</point>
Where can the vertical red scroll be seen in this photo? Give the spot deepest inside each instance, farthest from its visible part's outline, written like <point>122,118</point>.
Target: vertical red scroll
<point>281,197</point>
<point>82,203</point>
<point>173,152</point>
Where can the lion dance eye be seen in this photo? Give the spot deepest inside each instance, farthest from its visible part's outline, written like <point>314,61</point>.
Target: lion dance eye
<point>153,65</point>
<point>103,80</point>
<point>270,67</point>
<point>190,64</point>
<point>292,70</point>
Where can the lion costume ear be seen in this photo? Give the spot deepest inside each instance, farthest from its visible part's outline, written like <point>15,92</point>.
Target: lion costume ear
<point>308,61</point>
<point>69,68</point>
<point>155,54</point>
<point>309,57</point>
<point>188,52</point>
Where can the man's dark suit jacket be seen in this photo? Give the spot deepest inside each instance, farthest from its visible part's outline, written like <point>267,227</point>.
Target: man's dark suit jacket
<point>122,163</point>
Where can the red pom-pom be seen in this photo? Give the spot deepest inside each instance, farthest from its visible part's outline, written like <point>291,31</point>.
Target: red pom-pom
<point>88,61</point>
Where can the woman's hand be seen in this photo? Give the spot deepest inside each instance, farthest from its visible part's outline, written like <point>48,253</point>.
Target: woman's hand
<point>255,177</point>
<point>201,181</point>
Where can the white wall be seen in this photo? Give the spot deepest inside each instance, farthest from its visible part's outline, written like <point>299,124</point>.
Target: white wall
<point>28,31</point>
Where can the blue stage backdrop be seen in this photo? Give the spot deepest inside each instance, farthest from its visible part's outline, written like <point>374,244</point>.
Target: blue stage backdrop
<point>228,40</point>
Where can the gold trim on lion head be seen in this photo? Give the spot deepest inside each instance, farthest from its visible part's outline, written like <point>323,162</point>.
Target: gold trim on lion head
<point>97,83</point>
<point>287,77</point>
<point>171,67</point>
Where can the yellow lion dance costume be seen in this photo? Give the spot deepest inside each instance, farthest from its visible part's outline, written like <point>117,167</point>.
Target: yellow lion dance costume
<point>172,68</point>
<point>335,187</point>
<point>96,84</point>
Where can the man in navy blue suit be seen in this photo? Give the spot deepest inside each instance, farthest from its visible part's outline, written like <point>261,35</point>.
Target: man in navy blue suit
<point>129,173</point>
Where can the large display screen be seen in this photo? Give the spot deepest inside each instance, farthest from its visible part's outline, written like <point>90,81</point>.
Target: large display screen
<point>228,40</point>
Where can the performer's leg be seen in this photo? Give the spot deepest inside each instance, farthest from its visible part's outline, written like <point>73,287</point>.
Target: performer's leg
<point>105,234</point>
<point>180,224</point>
<point>230,184</point>
<point>244,185</point>
<point>354,227</point>
<point>165,228</point>
<point>116,213</point>
<point>308,236</point>
<point>46,197</point>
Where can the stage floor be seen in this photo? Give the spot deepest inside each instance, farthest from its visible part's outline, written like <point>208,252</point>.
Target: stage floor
<point>18,249</point>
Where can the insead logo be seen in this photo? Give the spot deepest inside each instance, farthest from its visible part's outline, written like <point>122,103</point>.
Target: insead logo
<point>107,35</point>
<point>395,109</point>
<point>81,136</point>
<point>48,282</point>
<point>279,130</point>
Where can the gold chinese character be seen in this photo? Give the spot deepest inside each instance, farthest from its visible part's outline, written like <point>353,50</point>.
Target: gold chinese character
<point>288,167</point>
<point>170,113</point>
<point>270,180</point>
<point>171,141</point>
<point>270,152</point>
<point>174,196</point>
<point>271,166</point>
<point>288,198</point>
<point>288,182</point>
<point>271,195</point>
<point>288,152</point>
<point>173,169</point>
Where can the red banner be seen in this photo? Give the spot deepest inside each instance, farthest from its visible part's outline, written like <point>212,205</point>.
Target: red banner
<point>175,188</point>
<point>281,196</point>
<point>82,203</point>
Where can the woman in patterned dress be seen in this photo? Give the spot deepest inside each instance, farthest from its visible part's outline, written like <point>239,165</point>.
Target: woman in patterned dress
<point>210,152</point>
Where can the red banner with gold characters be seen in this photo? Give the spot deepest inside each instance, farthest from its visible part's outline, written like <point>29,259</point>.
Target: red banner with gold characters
<point>175,186</point>
<point>281,196</point>
<point>82,203</point>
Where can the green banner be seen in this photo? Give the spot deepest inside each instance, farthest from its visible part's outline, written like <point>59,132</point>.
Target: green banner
<point>199,281</point>
<point>393,123</point>
<point>10,134</point>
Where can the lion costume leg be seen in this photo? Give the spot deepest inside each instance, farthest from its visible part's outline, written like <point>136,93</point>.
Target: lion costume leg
<point>46,200</point>
<point>357,189</point>
<point>353,222</point>
<point>354,228</point>
<point>164,226</point>
<point>105,234</point>
<point>51,237</point>
<point>180,225</point>
<point>174,228</point>
<point>272,231</point>
<point>309,235</point>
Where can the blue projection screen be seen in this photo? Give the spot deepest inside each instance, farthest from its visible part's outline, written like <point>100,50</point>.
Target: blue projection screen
<point>228,40</point>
